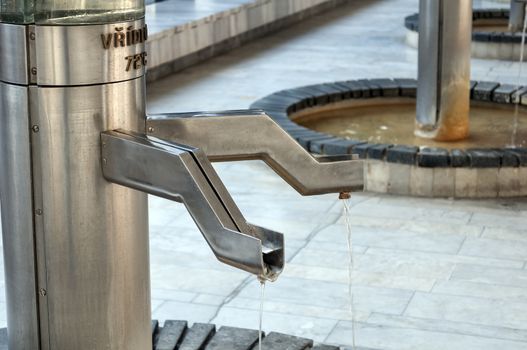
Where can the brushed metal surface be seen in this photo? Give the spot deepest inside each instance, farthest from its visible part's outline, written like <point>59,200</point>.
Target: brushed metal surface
<point>184,174</point>
<point>13,54</point>
<point>443,95</point>
<point>17,218</point>
<point>428,63</point>
<point>230,136</point>
<point>95,233</point>
<point>75,55</point>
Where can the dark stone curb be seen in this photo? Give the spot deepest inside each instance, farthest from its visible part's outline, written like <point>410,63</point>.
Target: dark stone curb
<point>281,104</point>
<point>175,335</point>
<point>412,23</point>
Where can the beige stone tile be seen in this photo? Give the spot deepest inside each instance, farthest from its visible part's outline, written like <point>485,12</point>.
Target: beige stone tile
<point>505,51</point>
<point>505,219</point>
<point>440,225</point>
<point>479,50</point>
<point>508,182</point>
<point>487,183</point>
<point>196,280</point>
<point>495,248</point>
<point>436,325</point>
<point>172,295</point>
<point>329,294</point>
<point>383,261</point>
<point>481,290</point>
<point>209,299</point>
<point>386,279</point>
<point>491,312</point>
<point>438,242</point>
<point>221,29</point>
<point>399,180</point>
<point>489,275</point>
<point>493,50</point>
<point>377,176</point>
<point>374,336</point>
<point>330,247</point>
<point>444,182</point>
<point>433,261</point>
<point>507,233</point>
<point>465,182</point>
<point>289,308</point>
<point>421,181</point>
<point>523,181</point>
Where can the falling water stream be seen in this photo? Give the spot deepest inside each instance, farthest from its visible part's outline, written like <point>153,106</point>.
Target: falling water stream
<point>260,321</point>
<point>345,201</point>
<point>344,197</point>
<point>518,84</point>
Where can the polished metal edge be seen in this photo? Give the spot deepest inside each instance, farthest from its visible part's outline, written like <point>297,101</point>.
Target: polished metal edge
<point>38,218</point>
<point>17,218</point>
<point>90,54</point>
<point>13,54</point>
<point>208,131</point>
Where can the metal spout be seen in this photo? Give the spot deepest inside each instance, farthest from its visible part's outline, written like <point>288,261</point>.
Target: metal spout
<point>252,134</point>
<point>184,174</point>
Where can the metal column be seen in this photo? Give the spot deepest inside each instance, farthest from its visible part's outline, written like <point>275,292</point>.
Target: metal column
<point>443,90</point>
<point>75,245</point>
<point>517,15</point>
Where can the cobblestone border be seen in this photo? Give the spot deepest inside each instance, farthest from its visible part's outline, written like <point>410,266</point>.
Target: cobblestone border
<point>412,23</point>
<point>281,104</point>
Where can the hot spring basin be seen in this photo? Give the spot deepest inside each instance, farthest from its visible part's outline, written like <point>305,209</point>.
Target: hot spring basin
<point>375,119</point>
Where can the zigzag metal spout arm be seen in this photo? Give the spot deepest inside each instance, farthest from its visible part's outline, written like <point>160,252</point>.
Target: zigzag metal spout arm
<point>184,174</point>
<point>252,134</point>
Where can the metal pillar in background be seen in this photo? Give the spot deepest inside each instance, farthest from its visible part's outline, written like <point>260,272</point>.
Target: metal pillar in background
<point>517,15</point>
<point>443,88</point>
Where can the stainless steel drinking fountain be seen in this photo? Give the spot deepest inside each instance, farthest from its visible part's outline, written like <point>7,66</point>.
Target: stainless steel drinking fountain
<point>78,157</point>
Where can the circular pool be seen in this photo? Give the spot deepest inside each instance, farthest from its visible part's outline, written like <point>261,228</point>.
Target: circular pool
<point>375,119</point>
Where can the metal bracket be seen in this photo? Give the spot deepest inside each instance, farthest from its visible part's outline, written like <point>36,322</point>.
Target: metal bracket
<point>252,134</point>
<point>184,174</point>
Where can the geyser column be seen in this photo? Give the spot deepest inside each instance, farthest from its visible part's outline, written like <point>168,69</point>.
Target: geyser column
<point>443,89</point>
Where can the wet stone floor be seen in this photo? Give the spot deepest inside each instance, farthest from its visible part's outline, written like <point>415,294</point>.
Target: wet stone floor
<point>429,273</point>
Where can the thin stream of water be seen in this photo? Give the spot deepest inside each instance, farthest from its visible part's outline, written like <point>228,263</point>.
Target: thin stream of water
<point>518,83</point>
<point>262,297</point>
<point>347,211</point>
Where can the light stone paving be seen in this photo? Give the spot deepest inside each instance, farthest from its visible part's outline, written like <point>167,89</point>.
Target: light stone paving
<point>429,273</point>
